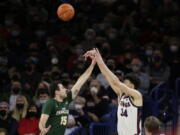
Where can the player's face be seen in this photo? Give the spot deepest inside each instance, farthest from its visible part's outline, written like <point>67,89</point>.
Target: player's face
<point>62,92</point>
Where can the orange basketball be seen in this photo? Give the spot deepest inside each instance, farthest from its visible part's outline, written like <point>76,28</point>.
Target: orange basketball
<point>65,12</point>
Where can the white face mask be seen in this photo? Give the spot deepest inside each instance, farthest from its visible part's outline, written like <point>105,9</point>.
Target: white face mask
<point>54,60</point>
<point>149,52</point>
<point>94,89</point>
<point>135,68</point>
<point>78,106</point>
<point>174,48</point>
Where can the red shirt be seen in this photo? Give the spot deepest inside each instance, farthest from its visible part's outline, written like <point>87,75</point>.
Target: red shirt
<point>28,126</point>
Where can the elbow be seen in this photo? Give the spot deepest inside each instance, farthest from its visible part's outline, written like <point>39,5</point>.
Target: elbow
<point>115,81</point>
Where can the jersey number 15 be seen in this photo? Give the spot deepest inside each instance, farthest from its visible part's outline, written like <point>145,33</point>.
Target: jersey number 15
<point>63,120</point>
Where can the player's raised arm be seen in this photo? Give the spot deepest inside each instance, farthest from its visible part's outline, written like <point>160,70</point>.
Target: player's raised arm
<point>82,79</point>
<point>114,82</point>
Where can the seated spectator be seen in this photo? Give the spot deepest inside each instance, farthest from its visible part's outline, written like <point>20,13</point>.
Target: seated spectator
<point>16,90</point>
<point>96,99</point>
<point>42,96</point>
<point>21,108</point>
<point>81,115</point>
<point>152,126</point>
<point>158,70</point>
<point>6,121</point>
<point>71,125</point>
<point>136,65</point>
<point>29,124</point>
<point>3,131</point>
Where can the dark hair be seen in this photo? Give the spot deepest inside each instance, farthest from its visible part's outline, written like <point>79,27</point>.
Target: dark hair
<point>133,79</point>
<point>152,124</point>
<point>42,91</point>
<point>32,105</point>
<point>53,88</point>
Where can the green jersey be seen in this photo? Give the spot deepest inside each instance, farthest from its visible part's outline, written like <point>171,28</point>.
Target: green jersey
<point>58,114</point>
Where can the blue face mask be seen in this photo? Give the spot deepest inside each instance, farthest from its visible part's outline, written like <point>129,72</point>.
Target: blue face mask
<point>149,52</point>
<point>35,60</point>
<point>42,101</point>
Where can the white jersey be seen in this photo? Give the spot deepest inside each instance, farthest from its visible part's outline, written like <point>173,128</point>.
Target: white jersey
<point>129,117</point>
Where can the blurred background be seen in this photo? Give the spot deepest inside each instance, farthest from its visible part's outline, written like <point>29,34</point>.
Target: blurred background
<point>139,37</point>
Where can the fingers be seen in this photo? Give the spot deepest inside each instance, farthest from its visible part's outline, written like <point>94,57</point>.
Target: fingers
<point>48,128</point>
<point>90,54</point>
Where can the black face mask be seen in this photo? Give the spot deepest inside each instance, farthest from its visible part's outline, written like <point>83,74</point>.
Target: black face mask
<point>55,75</point>
<point>31,115</point>
<point>20,106</point>
<point>110,66</point>
<point>28,68</point>
<point>157,58</point>
<point>3,113</point>
<point>16,90</point>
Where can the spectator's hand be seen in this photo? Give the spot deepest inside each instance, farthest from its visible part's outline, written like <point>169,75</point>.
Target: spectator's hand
<point>45,130</point>
<point>80,111</point>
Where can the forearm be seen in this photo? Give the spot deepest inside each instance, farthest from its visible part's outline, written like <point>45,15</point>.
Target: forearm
<point>42,125</point>
<point>82,79</point>
<point>110,77</point>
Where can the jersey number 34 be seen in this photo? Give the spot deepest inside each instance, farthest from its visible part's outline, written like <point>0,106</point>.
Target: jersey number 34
<point>124,112</point>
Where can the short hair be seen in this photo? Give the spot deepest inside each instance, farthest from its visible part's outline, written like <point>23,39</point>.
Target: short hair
<point>133,79</point>
<point>53,88</point>
<point>152,124</point>
<point>42,91</point>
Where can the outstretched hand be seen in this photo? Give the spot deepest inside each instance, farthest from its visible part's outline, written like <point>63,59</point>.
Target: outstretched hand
<point>94,55</point>
<point>90,54</point>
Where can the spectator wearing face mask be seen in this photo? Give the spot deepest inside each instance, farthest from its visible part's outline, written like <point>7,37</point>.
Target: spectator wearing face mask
<point>172,52</point>
<point>158,70</point>
<point>20,110</point>
<point>89,41</point>
<point>6,121</point>
<point>16,90</point>
<point>91,95</point>
<point>136,66</point>
<point>81,114</point>
<point>29,124</point>
<point>71,125</point>
<point>42,96</point>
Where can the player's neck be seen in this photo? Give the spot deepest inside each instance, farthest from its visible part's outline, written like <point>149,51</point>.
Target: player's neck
<point>58,99</point>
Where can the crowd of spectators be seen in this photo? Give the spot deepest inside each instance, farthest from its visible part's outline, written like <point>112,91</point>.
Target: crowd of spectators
<point>139,37</point>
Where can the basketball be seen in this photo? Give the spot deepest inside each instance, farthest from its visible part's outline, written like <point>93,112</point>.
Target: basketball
<point>65,12</point>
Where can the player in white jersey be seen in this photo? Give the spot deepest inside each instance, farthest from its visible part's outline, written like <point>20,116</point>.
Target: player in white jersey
<point>130,99</point>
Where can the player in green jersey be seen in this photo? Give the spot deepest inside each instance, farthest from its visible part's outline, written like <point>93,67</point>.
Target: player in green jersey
<point>55,111</point>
